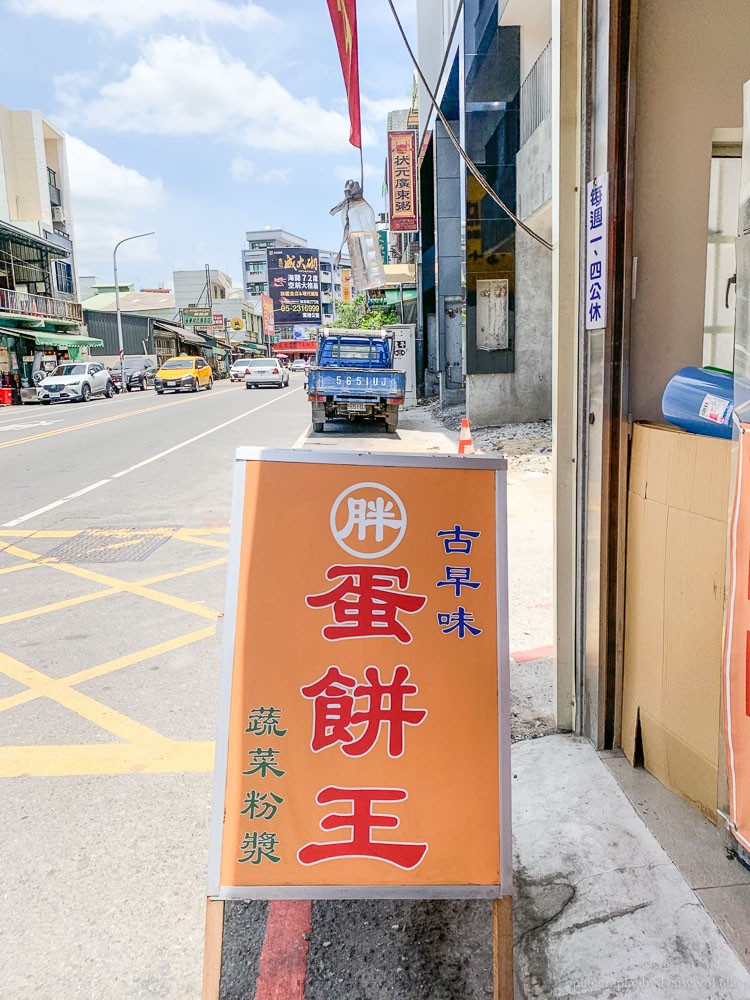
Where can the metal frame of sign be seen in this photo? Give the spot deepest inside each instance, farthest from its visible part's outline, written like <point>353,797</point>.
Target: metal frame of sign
<point>418,891</point>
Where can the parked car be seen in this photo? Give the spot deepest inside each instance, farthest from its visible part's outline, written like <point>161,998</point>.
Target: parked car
<point>139,373</point>
<point>266,371</point>
<point>75,380</point>
<point>237,371</point>
<point>183,373</point>
<point>298,365</point>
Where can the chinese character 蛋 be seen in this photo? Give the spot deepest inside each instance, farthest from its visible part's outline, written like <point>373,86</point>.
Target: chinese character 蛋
<point>334,710</point>
<point>257,846</point>
<point>458,540</point>
<point>362,821</point>
<point>460,622</point>
<point>264,761</point>
<point>265,722</point>
<point>367,602</point>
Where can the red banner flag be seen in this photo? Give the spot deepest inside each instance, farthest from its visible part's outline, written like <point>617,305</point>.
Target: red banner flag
<point>344,18</point>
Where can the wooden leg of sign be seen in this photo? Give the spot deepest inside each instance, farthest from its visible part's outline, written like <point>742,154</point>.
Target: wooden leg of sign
<point>212,949</point>
<point>502,944</point>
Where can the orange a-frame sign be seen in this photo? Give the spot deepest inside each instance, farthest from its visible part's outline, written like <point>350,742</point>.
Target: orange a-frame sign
<point>363,745</point>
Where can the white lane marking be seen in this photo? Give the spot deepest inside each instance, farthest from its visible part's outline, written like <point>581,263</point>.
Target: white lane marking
<point>24,427</point>
<point>57,503</point>
<point>140,465</point>
<point>302,438</point>
<point>192,440</point>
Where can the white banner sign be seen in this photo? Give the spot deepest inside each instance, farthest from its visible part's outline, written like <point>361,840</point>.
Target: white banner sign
<point>597,229</point>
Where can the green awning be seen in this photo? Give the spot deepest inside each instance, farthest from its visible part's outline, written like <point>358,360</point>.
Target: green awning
<point>64,340</point>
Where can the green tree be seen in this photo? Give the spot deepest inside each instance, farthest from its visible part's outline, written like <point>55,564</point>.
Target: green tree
<point>356,315</point>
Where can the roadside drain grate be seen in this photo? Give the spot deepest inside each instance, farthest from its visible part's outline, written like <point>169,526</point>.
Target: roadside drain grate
<point>112,545</point>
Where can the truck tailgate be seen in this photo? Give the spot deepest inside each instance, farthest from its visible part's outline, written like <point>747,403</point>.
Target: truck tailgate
<point>348,383</point>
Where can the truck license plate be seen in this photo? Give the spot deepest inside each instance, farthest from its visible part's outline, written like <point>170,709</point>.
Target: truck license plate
<point>358,407</point>
<point>171,383</point>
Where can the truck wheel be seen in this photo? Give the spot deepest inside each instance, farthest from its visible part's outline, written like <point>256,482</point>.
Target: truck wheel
<point>318,428</point>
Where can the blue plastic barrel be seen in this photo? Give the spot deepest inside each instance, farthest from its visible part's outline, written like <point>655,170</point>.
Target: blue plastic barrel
<point>701,400</point>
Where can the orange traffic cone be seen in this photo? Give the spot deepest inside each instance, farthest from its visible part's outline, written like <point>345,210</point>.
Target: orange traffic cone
<point>465,442</point>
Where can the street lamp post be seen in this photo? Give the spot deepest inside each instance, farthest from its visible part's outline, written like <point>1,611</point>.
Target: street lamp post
<point>117,304</point>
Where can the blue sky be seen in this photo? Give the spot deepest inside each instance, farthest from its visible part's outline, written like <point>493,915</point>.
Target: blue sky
<point>201,118</point>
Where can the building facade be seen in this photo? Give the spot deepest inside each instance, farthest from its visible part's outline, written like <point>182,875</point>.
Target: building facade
<point>40,315</point>
<point>255,271</point>
<point>486,285</point>
<point>236,322</point>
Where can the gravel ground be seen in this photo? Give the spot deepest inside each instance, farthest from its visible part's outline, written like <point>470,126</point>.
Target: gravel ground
<point>528,447</point>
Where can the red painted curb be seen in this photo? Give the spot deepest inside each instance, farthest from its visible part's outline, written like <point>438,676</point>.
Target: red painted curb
<point>540,653</point>
<point>283,961</point>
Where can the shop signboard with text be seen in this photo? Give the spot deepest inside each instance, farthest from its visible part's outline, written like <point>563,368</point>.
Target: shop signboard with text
<point>269,323</point>
<point>402,181</point>
<point>196,316</point>
<point>363,743</point>
<point>294,286</point>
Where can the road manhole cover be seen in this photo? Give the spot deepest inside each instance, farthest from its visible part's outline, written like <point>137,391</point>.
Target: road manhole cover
<point>112,545</point>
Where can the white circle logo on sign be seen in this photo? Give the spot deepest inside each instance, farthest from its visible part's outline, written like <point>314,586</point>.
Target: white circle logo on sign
<point>370,516</point>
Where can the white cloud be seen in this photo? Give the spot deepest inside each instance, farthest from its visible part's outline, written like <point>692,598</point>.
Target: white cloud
<point>347,172</point>
<point>110,201</point>
<point>243,169</point>
<point>376,110</point>
<point>182,87</point>
<point>122,16</point>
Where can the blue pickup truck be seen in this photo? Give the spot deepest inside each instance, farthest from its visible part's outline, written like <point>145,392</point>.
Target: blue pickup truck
<point>353,377</point>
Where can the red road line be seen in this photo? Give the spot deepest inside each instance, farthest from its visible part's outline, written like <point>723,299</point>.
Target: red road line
<point>540,653</point>
<point>283,961</point>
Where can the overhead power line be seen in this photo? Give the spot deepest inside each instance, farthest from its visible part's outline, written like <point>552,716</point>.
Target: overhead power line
<point>473,168</point>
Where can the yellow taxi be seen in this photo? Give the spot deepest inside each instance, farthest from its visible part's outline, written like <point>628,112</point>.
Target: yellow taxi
<point>183,373</point>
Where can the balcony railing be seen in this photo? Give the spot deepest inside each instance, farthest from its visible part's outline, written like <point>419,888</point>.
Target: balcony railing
<point>41,306</point>
<point>536,94</point>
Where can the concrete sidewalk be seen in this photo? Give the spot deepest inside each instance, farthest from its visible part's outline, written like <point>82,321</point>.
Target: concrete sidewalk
<point>601,910</point>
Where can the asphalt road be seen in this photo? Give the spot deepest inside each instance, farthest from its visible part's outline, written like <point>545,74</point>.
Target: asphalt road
<point>113,545</point>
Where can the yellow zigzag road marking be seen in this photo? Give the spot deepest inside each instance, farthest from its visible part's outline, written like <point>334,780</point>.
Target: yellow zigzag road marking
<point>128,660</point>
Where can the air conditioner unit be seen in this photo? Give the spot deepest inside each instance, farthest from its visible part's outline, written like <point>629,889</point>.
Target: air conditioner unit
<point>58,213</point>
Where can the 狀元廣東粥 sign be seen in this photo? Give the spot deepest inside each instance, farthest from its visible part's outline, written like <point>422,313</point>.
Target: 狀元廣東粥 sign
<point>402,181</point>
<point>364,732</point>
<point>294,286</point>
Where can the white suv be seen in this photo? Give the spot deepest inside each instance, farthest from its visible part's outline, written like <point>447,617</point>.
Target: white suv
<point>78,380</point>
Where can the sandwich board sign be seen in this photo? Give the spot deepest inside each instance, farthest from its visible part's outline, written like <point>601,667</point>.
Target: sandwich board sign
<point>363,746</point>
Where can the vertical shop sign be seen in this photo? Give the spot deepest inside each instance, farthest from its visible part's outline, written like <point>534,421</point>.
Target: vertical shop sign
<point>269,323</point>
<point>402,181</point>
<point>363,744</point>
<point>346,286</point>
<point>294,286</point>
<point>597,243</point>
<point>737,650</point>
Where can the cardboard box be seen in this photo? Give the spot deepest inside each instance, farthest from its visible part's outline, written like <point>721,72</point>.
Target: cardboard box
<point>678,509</point>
